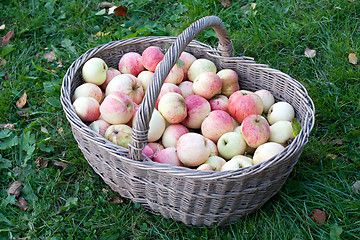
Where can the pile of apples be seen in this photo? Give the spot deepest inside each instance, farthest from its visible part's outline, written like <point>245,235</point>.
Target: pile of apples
<point>201,119</point>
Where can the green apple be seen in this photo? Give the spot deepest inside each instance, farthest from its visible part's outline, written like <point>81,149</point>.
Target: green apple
<point>94,71</point>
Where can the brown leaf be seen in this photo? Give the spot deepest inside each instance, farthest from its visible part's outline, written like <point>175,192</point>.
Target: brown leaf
<point>6,76</point>
<point>7,37</point>
<point>40,162</point>
<point>61,130</point>
<point>120,11</point>
<point>15,188</point>
<point>318,216</point>
<point>106,5</point>
<point>225,3</point>
<point>2,62</point>
<point>7,126</point>
<point>50,56</point>
<point>310,53</point>
<point>22,204</point>
<point>60,164</point>
<point>356,187</point>
<point>352,58</point>
<point>22,100</point>
<point>101,34</point>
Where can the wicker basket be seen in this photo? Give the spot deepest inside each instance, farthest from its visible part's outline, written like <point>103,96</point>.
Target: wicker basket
<point>183,194</point>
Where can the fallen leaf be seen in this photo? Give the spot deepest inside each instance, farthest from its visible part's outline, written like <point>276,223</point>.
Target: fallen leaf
<point>111,10</point>
<point>6,77</point>
<point>225,3</point>
<point>50,56</point>
<point>115,200</point>
<point>120,11</point>
<point>310,53</point>
<point>106,5</point>
<point>22,204</point>
<point>15,188</point>
<point>60,164</point>
<point>352,58</point>
<point>318,216</point>
<point>40,162</point>
<point>101,34</point>
<point>356,187</point>
<point>60,129</point>
<point>253,5</point>
<point>22,100</point>
<point>335,232</point>
<point>7,126</point>
<point>2,26</point>
<point>7,37</point>
<point>3,62</point>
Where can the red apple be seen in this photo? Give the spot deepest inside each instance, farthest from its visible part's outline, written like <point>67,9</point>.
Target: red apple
<point>168,156</point>
<point>219,102</point>
<point>255,130</point>
<point>216,124</point>
<point>230,81</point>
<point>172,133</point>
<point>197,110</point>
<point>117,108</point>
<point>87,108</point>
<point>172,107</point>
<point>131,63</point>
<point>151,56</point>
<point>243,103</point>
<point>88,90</point>
<point>166,88</point>
<point>207,85</point>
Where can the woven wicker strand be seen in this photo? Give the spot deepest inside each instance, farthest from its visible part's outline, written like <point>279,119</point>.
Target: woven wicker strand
<point>184,194</point>
<point>172,55</point>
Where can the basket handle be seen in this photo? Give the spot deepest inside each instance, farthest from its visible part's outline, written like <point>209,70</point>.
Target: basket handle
<point>139,134</point>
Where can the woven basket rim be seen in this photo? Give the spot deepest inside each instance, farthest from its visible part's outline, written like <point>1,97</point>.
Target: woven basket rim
<point>181,171</point>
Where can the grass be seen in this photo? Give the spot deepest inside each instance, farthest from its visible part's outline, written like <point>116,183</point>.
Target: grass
<point>74,203</point>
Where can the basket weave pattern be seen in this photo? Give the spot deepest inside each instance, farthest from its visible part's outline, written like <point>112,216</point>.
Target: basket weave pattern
<point>187,195</point>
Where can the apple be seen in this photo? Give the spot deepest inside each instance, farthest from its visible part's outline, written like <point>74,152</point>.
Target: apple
<point>216,124</point>
<point>231,144</point>
<point>197,110</point>
<point>135,109</point>
<point>207,85</point>
<point>87,108</point>
<point>110,74</point>
<point>219,102</point>
<point>266,151</point>
<point>281,132</point>
<point>155,147</point>
<point>88,90</point>
<point>166,88</point>
<point>206,167</point>
<point>186,88</point>
<point>192,149</point>
<point>168,156</point>
<point>151,57</point>
<point>117,108</point>
<point>249,150</point>
<point>236,162</point>
<point>198,66</point>
<point>267,98</point>
<point>145,78</point>
<point>128,85</point>
<point>94,71</point>
<point>230,81</point>
<point>212,146</point>
<point>216,162</point>
<point>119,134</point>
<point>172,133</point>
<point>280,111</point>
<point>243,103</point>
<point>156,126</point>
<point>148,152</point>
<point>255,130</point>
<point>175,76</point>
<point>131,63</point>
<point>188,59</point>
<point>172,107</point>
<point>99,126</point>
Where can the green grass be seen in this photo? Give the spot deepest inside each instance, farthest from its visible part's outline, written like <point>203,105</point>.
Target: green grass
<point>74,203</point>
